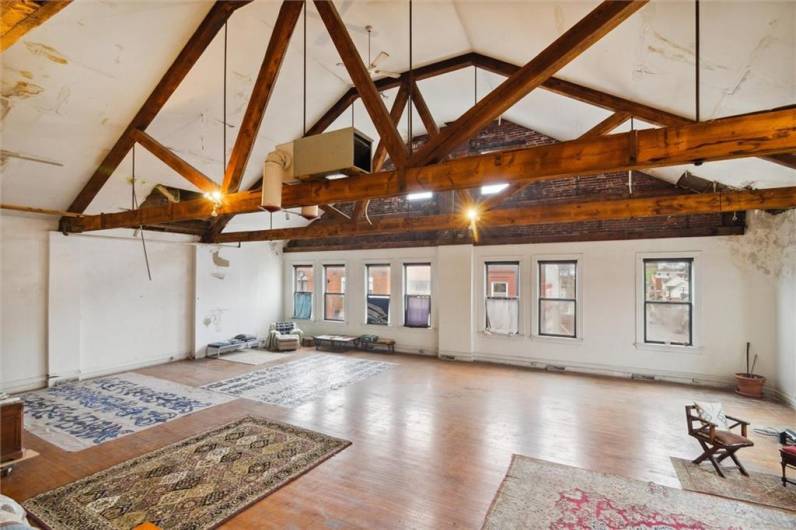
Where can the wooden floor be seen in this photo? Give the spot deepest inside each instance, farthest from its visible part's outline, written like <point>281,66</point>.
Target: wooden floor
<point>432,439</point>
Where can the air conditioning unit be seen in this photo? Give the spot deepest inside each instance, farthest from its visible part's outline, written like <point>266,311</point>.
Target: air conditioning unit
<point>342,152</point>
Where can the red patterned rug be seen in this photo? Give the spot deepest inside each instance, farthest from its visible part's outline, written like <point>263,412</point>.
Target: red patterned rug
<point>539,494</point>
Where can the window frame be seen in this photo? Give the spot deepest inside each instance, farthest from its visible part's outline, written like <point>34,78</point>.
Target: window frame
<point>539,298</point>
<point>327,266</point>
<point>368,293</point>
<point>488,293</point>
<point>690,303</point>
<point>295,290</point>
<point>406,295</point>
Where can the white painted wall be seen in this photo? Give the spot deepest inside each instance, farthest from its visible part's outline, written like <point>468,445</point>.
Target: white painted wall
<point>737,300</point>
<point>238,290</point>
<point>23,300</point>
<point>82,305</point>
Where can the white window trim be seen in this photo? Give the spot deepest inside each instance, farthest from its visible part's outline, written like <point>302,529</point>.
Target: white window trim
<point>481,294</point>
<point>322,299</point>
<point>402,305</point>
<point>579,312</point>
<point>371,263</point>
<point>292,299</point>
<point>696,346</point>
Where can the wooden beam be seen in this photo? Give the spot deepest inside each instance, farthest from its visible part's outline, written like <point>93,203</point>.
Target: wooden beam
<point>425,113</point>
<point>21,16</point>
<point>610,102</point>
<point>736,137</point>
<point>190,173</point>
<point>604,127</point>
<point>567,47</point>
<point>362,81</point>
<point>398,105</point>
<point>263,88</point>
<point>190,53</point>
<point>334,212</point>
<point>600,210</point>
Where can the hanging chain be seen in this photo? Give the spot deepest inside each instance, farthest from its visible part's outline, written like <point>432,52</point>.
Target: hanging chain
<point>304,112</point>
<point>696,61</point>
<point>409,112</point>
<point>224,106</point>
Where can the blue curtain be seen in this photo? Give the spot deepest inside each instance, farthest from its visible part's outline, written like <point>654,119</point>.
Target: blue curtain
<point>302,306</point>
<point>418,311</point>
<point>378,310</point>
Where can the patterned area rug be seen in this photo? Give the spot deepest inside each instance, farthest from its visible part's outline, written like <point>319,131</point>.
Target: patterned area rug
<point>760,488</point>
<point>78,415</point>
<point>539,494</point>
<point>254,357</point>
<point>296,382</point>
<point>191,485</point>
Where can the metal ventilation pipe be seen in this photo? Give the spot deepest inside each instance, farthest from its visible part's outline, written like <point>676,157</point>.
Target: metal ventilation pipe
<point>276,164</point>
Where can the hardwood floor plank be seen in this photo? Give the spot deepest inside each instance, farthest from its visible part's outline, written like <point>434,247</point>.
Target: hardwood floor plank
<point>432,439</point>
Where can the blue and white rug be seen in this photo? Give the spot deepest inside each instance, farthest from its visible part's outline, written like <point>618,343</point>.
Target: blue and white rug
<point>294,383</point>
<point>82,414</point>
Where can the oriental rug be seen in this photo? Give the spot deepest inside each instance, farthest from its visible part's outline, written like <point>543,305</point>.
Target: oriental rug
<point>296,382</point>
<point>539,494</point>
<point>194,484</point>
<point>82,414</point>
<point>760,488</point>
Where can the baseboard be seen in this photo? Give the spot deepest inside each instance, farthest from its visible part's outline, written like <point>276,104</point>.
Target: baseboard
<point>99,372</point>
<point>414,350</point>
<point>23,385</point>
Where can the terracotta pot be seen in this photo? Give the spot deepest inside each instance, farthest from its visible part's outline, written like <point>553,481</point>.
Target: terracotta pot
<point>749,385</point>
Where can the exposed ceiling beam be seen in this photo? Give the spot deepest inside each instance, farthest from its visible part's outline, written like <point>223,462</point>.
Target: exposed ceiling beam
<point>190,53</point>
<point>360,76</point>
<point>396,111</point>
<point>604,127</point>
<point>20,16</point>
<point>263,88</point>
<point>190,173</point>
<point>425,113</point>
<point>610,102</point>
<point>599,210</point>
<point>334,212</point>
<point>736,137</point>
<point>567,47</point>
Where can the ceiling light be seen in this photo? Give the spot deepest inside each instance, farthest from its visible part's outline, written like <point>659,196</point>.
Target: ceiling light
<point>335,176</point>
<point>419,196</point>
<point>491,189</point>
<point>472,214</point>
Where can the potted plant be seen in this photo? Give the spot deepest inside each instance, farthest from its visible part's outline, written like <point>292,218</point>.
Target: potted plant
<point>748,383</point>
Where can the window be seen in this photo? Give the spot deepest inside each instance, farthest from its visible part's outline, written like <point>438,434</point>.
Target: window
<point>302,291</point>
<point>503,297</point>
<point>378,297</point>
<point>558,298</point>
<point>419,196</point>
<point>334,292</point>
<point>491,189</point>
<point>668,301</point>
<point>417,295</point>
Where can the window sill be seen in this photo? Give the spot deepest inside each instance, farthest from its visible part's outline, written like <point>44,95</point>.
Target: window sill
<point>333,322</point>
<point>413,329</point>
<point>572,341</point>
<point>501,336</point>
<point>668,348</point>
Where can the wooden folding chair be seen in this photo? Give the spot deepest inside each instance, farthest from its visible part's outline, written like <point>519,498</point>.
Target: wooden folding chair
<point>717,445</point>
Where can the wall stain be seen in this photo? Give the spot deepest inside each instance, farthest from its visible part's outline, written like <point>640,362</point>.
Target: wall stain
<point>769,245</point>
<point>20,90</point>
<point>48,52</point>
<point>218,261</point>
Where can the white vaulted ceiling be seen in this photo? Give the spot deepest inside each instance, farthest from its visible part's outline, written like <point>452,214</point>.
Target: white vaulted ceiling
<point>71,86</point>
